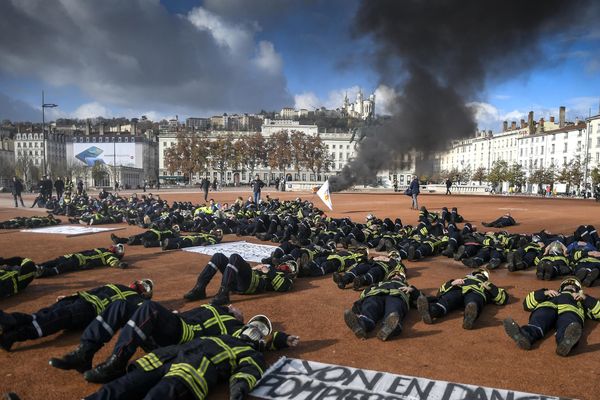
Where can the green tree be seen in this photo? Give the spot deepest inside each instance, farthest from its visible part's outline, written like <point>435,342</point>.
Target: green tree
<point>479,175</point>
<point>464,175</point>
<point>542,177</point>
<point>595,175</point>
<point>575,172</point>
<point>515,175</point>
<point>498,173</point>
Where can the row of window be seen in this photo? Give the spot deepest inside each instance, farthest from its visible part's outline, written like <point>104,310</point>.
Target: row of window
<point>107,139</point>
<point>36,136</point>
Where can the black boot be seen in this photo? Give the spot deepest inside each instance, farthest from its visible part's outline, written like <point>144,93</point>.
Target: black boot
<point>570,339</point>
<point>514,331</point>
<point>355,324</point>
<point>470,315</point>
<point>423,308</point>
<point>222,297</point>
<point>168,244</point>
<point>112,368</point>
<point>79,359</point>
<point>198,292</point>
<point>388,326</point>
<point>117,240</point>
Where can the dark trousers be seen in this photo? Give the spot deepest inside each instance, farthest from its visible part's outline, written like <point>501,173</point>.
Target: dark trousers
<point>59,266</point>
<point>102,329</point>
<point>150,320</point>
<point>376,308</point>
<point>372,273</point>
<point>237,274</point>
<point>454,300</point>
<point>134,385</point>
<point>18,196</point>
<point>543,319</point>
<point>69,313</point>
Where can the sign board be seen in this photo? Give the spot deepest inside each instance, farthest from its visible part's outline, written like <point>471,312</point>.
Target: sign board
<point>105,153</point>
<point>294,379</point>
<point>249,251</point>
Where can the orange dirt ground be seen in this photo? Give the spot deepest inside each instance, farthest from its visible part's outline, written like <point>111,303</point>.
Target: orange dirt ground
<point>484,356</point>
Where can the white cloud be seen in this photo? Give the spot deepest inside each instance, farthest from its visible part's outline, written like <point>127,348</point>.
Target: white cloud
<point>236,38</point>
<point>489,117</point>
<point>91,110</point>
<point>307,101</point>
<point>268,59</point>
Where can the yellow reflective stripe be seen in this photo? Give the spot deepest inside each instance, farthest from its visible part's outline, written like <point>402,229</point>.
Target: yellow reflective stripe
<point>500,297</point>
<point>250,360</point>
<point>203,366</point>
<point>196,382</point>
<point>530,301</point>
<point>563,308</point>
<point>253,283</point>
<point>247,377</point>
<point>226,349</point>
<point>278,281</point>
<point>594,312</point>
<point>548,304</point>
<point>217,318</point>
<point>26,276</point>
<point>94,300</point>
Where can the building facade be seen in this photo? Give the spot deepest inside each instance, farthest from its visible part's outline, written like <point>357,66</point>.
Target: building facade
<point>533,145</point>
<point>46,152</point>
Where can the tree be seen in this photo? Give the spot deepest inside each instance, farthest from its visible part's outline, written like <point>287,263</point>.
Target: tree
<point>595,175</point>
<point>279,151</point>
<point>317,158</point>
<point>479,175</point>
<point>252,151</point>
<point>515,175</point>
<point>189,155</point>
<point>498,172</point>
<point>7,170</point>
<point>223,155</point>
<point>25,167</point>
<point>541,177</point>
<point>575,172</point>
<point>99,173</point>
<point>298,150</point>
<point>464,175</point>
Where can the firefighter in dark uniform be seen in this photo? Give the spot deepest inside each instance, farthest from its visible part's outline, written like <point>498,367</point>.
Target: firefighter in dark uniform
<point>30,222</point>
<point>15,274</point>
<point>587,266</point>
<point>239,276</point>
<point>192,369</point>
<point>69,312</point>
<point>369,272</point>
<point>472,292</point>
<point>82,260</point>
<point>165,328</point>
<point>150,238</point>
<point>565,309</point>
<point>387,301</point>
<point>197,239</point>
<point>505,220</point>
<point>525,256</point>
<point>554,262</point>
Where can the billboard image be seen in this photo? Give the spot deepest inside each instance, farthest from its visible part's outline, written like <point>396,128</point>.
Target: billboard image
<point>105,153</point>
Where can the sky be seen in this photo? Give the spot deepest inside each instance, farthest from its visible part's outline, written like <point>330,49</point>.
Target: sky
<point>194,58</point>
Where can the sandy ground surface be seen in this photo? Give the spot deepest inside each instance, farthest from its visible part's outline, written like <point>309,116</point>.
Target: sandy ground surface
<point>314,309</point>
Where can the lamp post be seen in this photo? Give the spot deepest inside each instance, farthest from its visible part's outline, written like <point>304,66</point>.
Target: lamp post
<point>44,106</point>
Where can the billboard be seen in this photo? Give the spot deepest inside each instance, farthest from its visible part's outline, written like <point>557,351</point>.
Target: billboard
<point>105,153</point>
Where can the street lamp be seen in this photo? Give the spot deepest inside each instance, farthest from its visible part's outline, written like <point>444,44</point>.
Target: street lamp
<point>44,106</point>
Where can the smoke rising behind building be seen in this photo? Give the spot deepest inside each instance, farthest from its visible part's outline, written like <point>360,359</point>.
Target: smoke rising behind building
<point>439,55</point>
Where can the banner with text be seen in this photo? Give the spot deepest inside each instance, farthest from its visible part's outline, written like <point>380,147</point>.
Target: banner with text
<point>249,251</point>
<point>291,378</point>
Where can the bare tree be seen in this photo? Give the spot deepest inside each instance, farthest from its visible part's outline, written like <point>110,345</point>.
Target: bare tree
<point>252,151</point>
<point>224,155</point>
<point>317,158</point>
<point>298,150</point>
<point>189,155</point>
<point>479,175</point>
<point>279,152</point>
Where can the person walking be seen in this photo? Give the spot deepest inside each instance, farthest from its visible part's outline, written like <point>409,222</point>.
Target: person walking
<point>205,187</point>
<point>257,184</point>
<point>448,186</point>
<point>16,191</point>
<point>59,186</point>
<point>414,192</point>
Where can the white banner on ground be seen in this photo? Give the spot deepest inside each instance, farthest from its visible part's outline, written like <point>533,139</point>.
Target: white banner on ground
<point>325,196</point>
<point>71,230</point>
<point>249,251</point>
<point>291,378</point>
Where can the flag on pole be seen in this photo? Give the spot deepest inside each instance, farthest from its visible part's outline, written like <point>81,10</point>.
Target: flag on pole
<point>323,193</point>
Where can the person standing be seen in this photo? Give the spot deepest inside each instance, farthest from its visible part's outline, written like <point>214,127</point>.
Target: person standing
<point>448,186</point>
<point>414,192</point>
<point>205,187</point>
<point>80,188</point>
<point>257,184</point>
<point>59,185</point>
<point>214,184</point>
<point>16,191</point>
<point>145,185</point>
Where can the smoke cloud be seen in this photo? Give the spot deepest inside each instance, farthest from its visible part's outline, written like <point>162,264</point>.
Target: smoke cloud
<point>439,55</point>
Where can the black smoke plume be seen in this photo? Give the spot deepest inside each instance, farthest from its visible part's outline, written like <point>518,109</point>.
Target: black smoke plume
<point>439,54</point>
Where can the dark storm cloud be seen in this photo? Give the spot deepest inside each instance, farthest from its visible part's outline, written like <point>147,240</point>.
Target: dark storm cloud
<point>16,110</point>
<point>439,54</point>
<point>135,54</point>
